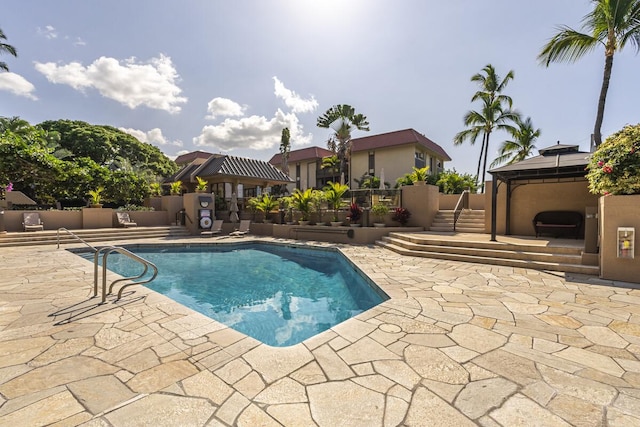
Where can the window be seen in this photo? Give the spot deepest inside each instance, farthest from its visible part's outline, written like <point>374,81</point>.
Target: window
<point>298,176</point>
<point>372,162</point>
<point>419,160</point>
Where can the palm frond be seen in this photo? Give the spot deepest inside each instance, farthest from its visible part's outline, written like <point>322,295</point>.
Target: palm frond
<point>567,46</point>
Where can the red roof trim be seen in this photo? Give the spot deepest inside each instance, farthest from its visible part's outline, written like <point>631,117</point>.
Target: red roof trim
<point>399,137</point>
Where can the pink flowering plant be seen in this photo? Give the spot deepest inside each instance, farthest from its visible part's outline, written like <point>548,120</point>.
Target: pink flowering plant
<point>5,189</point>
<point>615,166</point>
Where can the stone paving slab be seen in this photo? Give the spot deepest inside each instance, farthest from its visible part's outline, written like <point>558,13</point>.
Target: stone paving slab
<point>457,344</point>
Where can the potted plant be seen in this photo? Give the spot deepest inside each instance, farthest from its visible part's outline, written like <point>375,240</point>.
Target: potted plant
<point>176,188</point>
<point>401,215</point>
<point>379,211</point>
<point>287,204</point>
<point>318,199</point>
<point>419,175</point>
<point>96,197</point>
<point>333,193</point>
<point>201,186</point>
<point>355,213</point>
<point>266,204</point>
<point>302,201</point>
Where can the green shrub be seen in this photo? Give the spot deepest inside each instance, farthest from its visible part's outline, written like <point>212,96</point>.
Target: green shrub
<point>615,166</point>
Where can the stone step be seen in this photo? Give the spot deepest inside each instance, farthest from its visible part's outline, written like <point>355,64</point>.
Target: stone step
<point>507,253</point>
<point>48,237</point>
<point>492,259</point>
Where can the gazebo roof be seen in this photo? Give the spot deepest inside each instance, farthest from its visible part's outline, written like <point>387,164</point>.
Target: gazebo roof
<point>240,167</point>
<point>557,161</point>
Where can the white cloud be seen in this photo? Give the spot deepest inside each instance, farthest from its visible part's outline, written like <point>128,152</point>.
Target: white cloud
<point>16,84</point>
<point>79,42</point>
<point>293,100</point>
<point>154,136</point>
<point>48,32</point>
<point>131,83</point>
<point>224,107</point>
<point>254,132</point>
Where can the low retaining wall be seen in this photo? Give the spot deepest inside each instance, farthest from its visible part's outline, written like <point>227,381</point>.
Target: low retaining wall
<point>342,234</point>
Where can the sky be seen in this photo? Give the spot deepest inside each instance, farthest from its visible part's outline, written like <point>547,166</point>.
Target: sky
<point>228,76</point>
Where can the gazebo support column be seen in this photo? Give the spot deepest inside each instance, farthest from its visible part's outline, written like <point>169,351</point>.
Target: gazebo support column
<point>508,210</point>
<point>494,204</point>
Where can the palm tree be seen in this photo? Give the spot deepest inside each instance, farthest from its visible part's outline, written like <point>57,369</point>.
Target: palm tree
<point>342,119</point>
<point>518,149</point>
<point>492,116</point>
<point>612,24</point>
<point>285,147</point>
<point>6,48</point>
<point>332,163</point>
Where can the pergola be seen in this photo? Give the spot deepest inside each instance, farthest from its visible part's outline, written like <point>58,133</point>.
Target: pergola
<point>555,162</point>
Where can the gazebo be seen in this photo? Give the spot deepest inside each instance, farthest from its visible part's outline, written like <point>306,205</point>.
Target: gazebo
<point>555,165</point>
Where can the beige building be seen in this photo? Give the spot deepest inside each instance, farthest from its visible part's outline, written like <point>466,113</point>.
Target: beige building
<point>397,153</point>
<point>305,168</point>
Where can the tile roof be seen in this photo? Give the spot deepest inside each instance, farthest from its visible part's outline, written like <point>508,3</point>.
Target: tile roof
<point>183,174</point>
<point>240,167</point>
<point>189,157</point>
<point>399,137</point>
<point>309,153</point>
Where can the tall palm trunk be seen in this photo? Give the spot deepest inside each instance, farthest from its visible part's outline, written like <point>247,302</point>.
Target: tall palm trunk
<point>484,164</point>
<point>608,66</point>
<point>484,138</point>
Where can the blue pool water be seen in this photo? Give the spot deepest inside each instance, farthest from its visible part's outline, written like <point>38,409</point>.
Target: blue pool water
<point>280,295</point>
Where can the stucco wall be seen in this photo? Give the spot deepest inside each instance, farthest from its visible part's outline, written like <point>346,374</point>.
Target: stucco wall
<point>614,212</point>
<point>396,162</point>
<point>530,198</point>
<point>449,201</point>
<point>423,202</point>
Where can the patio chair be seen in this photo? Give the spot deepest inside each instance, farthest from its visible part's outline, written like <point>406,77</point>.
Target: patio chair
<point>124,220</point>
<point>216,228</point>
<point>243,229</point>
<point>31,221</point>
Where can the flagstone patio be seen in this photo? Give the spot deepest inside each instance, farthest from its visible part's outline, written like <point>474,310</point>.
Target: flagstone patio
<point>457,344</point>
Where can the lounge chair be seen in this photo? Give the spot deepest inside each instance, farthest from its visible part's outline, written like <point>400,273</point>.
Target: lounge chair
<point>243,229</point>
<point>216,228</point>
<point>124,220</point>
<point>31,221</point>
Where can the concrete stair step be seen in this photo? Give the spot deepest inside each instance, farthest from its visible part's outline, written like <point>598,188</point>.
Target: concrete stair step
<point>493,260</point>
<point>425,239</point>
<point>488,252</point>
<point>48,237</point>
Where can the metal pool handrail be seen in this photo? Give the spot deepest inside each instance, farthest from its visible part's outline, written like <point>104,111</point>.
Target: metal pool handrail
<point>123,251</point>
<point>74,236</point>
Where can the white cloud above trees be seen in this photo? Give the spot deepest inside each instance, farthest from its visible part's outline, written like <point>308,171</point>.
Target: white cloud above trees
<point>130,82</point>
<point>255,132</point>
<point>18,85</point>
<point>153,136</point>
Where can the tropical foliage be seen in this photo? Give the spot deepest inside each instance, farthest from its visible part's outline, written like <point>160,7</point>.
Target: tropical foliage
<point>451,182</point>
<point>401,215</point>
<point>615,166</point>
<point>333,193</point>
<point>302,201</point>
<point>355,213</point>
<point>379,211</point>
<point>419,174</point>
<point>176,188</point>
<point>495,113</point>
<point>342,119</point>
<point>43,164</point>
<point>333,164</point>
<point>201,184</point>
<point>611,24</point>
<point>285,148</point>
<point>521,146</point>
<point>265,204</point>
<point>6,48</point>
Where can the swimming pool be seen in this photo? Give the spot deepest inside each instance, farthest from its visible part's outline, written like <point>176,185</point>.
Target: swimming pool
<point>280,295</point>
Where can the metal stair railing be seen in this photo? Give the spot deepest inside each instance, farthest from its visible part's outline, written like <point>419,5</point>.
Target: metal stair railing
<point>74,236</point>
<point>463,203</point>
<point>105,254</point>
